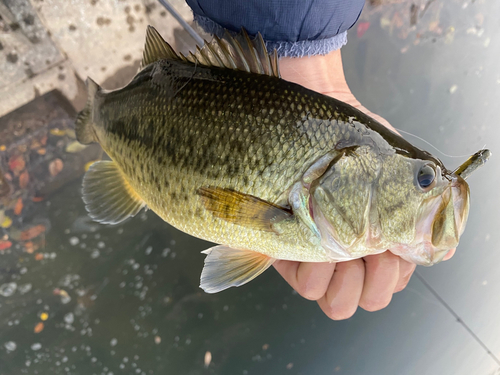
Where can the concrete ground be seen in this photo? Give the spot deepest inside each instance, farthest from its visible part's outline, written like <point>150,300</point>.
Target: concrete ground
<point>56,44</point>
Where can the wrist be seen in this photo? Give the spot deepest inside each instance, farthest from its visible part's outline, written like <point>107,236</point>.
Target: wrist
<point>322,73</point>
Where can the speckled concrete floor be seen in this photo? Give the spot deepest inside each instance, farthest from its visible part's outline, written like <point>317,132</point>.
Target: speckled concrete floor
<point>54,44</point>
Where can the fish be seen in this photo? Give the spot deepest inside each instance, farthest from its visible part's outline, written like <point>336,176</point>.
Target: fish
<point>219,146</point>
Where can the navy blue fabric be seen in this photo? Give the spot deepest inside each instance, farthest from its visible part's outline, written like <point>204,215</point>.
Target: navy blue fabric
<point>284,48</point>
<point>282,20</point>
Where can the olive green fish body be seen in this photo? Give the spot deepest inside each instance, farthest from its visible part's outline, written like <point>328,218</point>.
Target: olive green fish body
<point>220,147</point>
<point>177,127</point>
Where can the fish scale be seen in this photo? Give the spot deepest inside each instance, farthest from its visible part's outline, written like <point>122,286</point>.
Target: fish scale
<point>235,151</point>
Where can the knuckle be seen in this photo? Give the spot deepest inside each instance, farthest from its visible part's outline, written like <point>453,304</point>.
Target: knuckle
<point>373,305</point>
<point>383,261</point>
<point>356,266</point>
<point>341,313</point>
<point>310,292</point>
<point>403,284</point>
<point>404,281</point>
<point>400,287</point>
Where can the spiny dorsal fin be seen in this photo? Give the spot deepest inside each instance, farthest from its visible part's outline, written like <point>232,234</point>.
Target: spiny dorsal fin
<point>156,48</point>
<point>237,52</point>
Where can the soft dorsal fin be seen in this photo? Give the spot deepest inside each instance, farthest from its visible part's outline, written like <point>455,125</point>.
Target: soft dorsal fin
<point>237,52</point>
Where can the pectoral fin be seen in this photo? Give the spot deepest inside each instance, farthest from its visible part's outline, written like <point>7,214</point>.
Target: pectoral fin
<point>108,196</point>
<point>226,267</point>
<point>242,209</point>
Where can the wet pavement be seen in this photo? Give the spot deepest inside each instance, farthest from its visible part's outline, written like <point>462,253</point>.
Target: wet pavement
<point>96,299</point>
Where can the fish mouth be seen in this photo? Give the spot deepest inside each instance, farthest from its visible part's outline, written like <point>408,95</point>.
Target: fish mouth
<point>441,221</point>
<point>443,218</point>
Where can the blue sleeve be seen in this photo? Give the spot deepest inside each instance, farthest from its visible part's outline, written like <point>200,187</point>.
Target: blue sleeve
<point>293,27</point>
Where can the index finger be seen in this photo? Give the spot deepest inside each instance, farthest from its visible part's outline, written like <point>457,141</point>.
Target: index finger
<point>310,280</point>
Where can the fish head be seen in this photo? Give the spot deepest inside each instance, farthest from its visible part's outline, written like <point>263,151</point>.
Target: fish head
<point>414,207</point>
<point>440,216</point>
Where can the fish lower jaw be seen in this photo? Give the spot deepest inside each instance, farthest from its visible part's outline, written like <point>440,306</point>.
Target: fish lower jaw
<point>422,253</point>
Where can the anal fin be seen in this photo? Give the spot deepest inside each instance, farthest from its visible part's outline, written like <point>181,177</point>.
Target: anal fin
<point>226,267</point>
<point>108,196</point>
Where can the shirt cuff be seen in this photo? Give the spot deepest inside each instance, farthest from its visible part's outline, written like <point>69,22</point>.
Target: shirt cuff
<point>284,49</point>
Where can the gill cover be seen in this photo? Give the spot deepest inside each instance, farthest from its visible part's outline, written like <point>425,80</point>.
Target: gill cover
<point>342,202</point>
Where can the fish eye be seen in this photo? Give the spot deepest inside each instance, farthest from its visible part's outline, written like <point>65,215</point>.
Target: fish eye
<point>426,176</point>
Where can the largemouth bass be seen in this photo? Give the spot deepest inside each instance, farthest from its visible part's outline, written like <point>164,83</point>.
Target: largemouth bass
<point>222,148</point>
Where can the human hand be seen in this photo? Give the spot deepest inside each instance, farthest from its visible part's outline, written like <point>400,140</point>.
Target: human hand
<point>369,282</point>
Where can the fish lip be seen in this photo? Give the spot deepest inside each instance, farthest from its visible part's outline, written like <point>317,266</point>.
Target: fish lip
<point>423,250</point>
<point>461,202</point>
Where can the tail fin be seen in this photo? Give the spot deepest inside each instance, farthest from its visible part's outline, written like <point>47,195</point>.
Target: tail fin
<point>84,120</point>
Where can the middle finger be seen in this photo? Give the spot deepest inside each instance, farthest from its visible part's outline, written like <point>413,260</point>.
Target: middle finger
<point>342,296</point>
<point>381,278</point>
